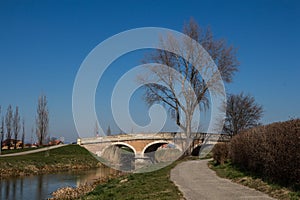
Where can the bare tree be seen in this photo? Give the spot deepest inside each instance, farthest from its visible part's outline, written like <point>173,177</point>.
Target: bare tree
<point>196,92</point>
<point>9,124</point>
<point>108,132</point>
<point>42,119</point>
<point>1,133</point>
<point>23,133</point>
<point>31,135</point>
<point>16,126</point>
<point>96,129</point>
<point>242,113</point>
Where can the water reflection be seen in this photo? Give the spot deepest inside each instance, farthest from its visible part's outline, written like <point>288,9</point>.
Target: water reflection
<point>41,186</point>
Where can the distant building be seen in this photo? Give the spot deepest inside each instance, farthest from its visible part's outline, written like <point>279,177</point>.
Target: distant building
<point>55,142</point>
<point>11,143</point>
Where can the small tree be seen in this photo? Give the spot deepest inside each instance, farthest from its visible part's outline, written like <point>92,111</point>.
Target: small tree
<point>96,129</point>
<point>1,134</point>
<point>23,134</point>
<point>108,132</point>
<point>31,135</point>
<point>242,113</point>
<point>9,123</point>
<point>16,126</point>
<point>42,119</point>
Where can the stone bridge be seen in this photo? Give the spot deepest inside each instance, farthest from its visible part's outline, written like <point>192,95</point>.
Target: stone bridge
<point>143,146</point>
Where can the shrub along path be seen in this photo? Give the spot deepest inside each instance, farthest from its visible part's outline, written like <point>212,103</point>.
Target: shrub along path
<point>197,181</point>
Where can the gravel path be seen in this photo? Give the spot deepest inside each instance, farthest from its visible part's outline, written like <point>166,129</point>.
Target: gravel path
<point>197,182</point>
<point>33,151</point>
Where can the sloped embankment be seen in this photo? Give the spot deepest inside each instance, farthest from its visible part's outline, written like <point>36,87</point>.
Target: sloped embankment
<point>70,157</point>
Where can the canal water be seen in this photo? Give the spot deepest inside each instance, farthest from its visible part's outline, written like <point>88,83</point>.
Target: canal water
<point>40,187</point>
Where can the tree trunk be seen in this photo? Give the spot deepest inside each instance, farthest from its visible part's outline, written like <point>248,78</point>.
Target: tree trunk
<point>189,138</point>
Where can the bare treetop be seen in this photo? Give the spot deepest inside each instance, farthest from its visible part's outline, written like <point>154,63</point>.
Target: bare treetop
<point>179,81</point>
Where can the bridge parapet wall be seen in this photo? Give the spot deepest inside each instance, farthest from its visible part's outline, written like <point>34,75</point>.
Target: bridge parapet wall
<point>141,136</point>
<point>97,145</point>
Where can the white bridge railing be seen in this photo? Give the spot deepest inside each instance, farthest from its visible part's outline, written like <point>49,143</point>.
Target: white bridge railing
<point>150,136</point>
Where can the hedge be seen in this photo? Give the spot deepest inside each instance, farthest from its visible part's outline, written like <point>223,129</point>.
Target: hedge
<point>272,151</point>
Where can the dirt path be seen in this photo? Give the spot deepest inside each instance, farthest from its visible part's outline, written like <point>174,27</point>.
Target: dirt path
<point>197,182</point>
<point>32,151</point>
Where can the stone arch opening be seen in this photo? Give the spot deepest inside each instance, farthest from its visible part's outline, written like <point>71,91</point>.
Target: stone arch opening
<point>120,155</point>
<point>161,151</point>
<point>196,150</point>
<point>124,146</point>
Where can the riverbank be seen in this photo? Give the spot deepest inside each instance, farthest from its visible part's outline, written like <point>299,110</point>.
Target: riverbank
<point>66,158</point>
<point>81,190</point>
<point>153,185</point>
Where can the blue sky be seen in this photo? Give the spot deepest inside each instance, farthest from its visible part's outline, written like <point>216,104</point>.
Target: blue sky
<point>42,45</point>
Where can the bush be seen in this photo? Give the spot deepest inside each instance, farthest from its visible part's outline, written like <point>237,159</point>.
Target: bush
<point>272,151</point>
<point>220,152</point>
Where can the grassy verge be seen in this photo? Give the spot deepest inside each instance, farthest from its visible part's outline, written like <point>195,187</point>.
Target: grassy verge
<point>152,185</point>
<point>70,157</point>
<point>239,176</point>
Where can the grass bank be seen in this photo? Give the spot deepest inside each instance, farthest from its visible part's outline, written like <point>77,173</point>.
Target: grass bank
<point>70,157</point>
<point>152,186</point>
<point>242,177</point>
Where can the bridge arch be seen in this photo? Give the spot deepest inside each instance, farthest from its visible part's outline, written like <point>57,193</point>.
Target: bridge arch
<point>196,149</point>
<point>120,144</point>
<point>158,144</point>
<point>124,144</point>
